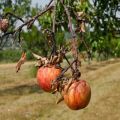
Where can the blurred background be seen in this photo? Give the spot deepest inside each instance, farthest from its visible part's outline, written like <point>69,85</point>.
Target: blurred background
<point>99,51</point>
<point>102,27</point>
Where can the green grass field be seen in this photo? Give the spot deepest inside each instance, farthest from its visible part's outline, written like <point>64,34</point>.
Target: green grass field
<point>21,98</point>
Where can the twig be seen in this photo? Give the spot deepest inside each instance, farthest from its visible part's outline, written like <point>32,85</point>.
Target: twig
<point>86,46</point>
<point>40,14</point>
<point>61,76</point>
<point>49,3</point>
<point>69,63</point>
<point>29,21</point>
<point>65,70</point>
<point>60,100</point>
<point>53,29</point>
<point>69,19</point>
<point>74,46</point>
<point>54,14</point>
<point>19,36</point>
<point>60,22</point>
<point>9,13</point>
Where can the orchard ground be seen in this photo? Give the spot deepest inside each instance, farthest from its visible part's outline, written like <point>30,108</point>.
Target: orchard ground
<point>22,99</point>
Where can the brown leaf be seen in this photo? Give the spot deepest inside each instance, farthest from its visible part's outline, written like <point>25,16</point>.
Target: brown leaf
<point>60,100</point>
<point>36,56</point>
<point>54,59</point>
<point>21,61</point>
<point>82,27</point>
<point>68,85</point>
<point>4,24</point>
<point>38,63</point>
<point>80,14</point>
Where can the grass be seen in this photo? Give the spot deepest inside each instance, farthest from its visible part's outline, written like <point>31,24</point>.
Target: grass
<point>22,99</point>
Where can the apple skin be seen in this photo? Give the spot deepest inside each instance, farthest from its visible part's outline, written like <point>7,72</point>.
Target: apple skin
<point>45,75</point>
<point>78,95</point>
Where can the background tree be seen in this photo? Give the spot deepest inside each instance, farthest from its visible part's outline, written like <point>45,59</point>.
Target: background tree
<point>104,30</point>
<point>96,24</point>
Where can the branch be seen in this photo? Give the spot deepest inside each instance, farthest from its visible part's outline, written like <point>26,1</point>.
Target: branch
<point>19,36</point>
<point>54,14</point>
<point>48,7</point>
<point>74,40</point>
<point>49,3</point>
<point>53,29</point>
<point>69,63</point>
<point>85,44</point>
<point>9,13</point>
<point>34,18</point>
<point>31,21</point>
<point>65,70</point>
<point>60,23</point>
<point>69,20</point>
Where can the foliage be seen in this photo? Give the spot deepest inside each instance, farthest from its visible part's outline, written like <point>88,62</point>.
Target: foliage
<point>20,8</point>
<point>33,71</point>
<point>13,55</point>
<point>35,41</point>
<point>105,26</point>
<point>9,55</point>
<point>102,25</point>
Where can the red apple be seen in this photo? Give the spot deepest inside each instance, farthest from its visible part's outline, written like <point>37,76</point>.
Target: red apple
<point>46,75</point>
<point>78,95</point>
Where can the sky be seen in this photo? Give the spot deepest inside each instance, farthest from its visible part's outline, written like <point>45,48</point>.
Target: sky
<point>40,2</point>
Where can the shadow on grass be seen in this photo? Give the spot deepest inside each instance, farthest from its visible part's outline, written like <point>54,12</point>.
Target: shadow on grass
<point>95,67</point>
<point>21,90</point>
<point>105,63</point>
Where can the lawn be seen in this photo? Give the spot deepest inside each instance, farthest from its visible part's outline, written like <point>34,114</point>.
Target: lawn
<point>22,99</point>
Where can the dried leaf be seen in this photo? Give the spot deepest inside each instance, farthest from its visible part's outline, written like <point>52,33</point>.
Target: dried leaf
<point>4,24</point>
<point>54,59</point>
<point>36,56</point>
<point>82,27</point>
<point>80,14</point>
<point>51,57</point>
<point>68,85</point>
<point>60,58</point>
<point>21,61</point>
<point>41,60</point>
<point>60,100</point>
<point>39,63</point>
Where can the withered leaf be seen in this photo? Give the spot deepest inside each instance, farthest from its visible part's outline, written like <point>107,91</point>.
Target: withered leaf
<point>21,61</point>
<point>82,27</point>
